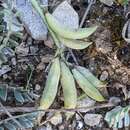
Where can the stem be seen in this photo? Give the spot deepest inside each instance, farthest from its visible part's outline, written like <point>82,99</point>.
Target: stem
<point>29,79</point>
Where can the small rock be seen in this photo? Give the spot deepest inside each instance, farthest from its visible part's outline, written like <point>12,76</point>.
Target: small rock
<point>29,41</point>
<point>86,102</point>
<point>5,76</point>
<point>66,15</point>
<point>92,119</point>
<point>79,125</point>
<point>115,100</point>
<point>4,69</point>
<point>125,78</point>
<point>13,61</point>
<point>37,87</point>
<point>104,76</point>
<point>56,119</point>
<point>61,127</point>
<point>31,19</point>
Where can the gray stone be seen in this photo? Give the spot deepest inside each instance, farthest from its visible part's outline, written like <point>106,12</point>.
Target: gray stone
<point>92,119</point>
<point>31,19</point>
<point>56,119</point>
<point>114,100</point>
<point>85,102</point>
<point>4,69</point>
<point>66,15</point>
<point>104,76</point>
<point>13,61</point>
<point>79,125</point>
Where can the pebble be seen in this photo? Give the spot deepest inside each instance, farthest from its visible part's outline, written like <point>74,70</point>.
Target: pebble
<point>66,15</point>
<point>115,100</point>
<point>79,125</point>
<point>85,102</point>
<point>104,76</point>
<point>56,119</point>
<point>31,19</point>
<point>92,119</point>
<point>37,87</point>
<point>13,61</point>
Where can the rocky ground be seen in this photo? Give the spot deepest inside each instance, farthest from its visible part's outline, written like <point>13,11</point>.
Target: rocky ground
<point>26,62</point>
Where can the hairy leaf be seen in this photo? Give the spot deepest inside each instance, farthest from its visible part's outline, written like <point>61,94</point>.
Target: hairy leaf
<point>118,117</point>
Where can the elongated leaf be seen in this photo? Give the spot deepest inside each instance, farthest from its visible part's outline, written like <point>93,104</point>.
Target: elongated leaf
<point>86,86</point>
<point>66,32</point>
<point>111,114</point>
<point>51,86</point>
<point>69,88</point>
<point>87,74</point>
<point>75,44</point>
<point>18,96</point>
<point>3,92</point>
